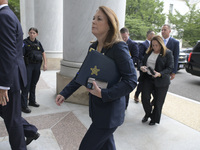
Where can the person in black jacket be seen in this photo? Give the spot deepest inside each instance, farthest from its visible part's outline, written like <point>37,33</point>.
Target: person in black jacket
<point>142,50</point>
<point>132,45</point>
<point>106,105</point>
<point>133,49</point>
<point>33,56</point>
<point>156,68</point>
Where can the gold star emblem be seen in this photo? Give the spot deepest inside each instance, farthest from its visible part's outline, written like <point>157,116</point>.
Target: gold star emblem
<point>94,70</point>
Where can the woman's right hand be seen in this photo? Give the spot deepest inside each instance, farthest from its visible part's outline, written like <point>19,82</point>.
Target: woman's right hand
<point>59,99</point>
<point>96,91</point>
<point>143,68</point>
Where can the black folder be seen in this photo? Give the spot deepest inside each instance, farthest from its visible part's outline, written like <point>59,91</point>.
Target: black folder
<point>98,66</point>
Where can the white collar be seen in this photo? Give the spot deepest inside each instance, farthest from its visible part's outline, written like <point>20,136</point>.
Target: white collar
<point>1,6</point>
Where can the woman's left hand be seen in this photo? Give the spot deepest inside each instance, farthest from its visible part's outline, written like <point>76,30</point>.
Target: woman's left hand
<point>44,67</point>
<point>157,74</point>
<point>96,90</point>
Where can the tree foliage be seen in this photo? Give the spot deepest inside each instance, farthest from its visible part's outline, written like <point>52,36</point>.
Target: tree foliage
<point>143,15</point>
<point>15,7</point>
<point>187,25</point>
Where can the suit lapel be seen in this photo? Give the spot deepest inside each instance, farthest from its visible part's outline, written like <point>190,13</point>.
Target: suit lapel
<point>128,41</point>
<point>147,44</point>
<point>158,60</point>
<point>169,43</point>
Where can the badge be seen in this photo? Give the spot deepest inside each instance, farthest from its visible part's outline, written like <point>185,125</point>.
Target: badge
<point>94,70</point>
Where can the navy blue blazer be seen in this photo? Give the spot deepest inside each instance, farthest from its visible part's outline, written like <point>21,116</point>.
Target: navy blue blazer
<point>164,65</point>
<point>109,111</point>
<point>134,50</point>
<point>142,49</point>
<point>12,67</point>
<point>173,45</point>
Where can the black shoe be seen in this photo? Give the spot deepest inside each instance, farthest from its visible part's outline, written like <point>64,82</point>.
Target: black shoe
<point>26,110</point>
<point>144,119</point>
<point>34,104</point>
<point>151,123</point>
<point>30,139</point>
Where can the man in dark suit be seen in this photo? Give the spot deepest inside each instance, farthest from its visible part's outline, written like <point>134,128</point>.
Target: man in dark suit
<point>173,45</point>
<point>142,49</point>
<point>12,77</point>
<point>132,45</point>
<point>133,49</point>
<point>145,45</point>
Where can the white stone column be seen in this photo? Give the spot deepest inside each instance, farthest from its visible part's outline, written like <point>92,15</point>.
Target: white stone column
<point>47,17</point>
<point>49,21</point>
<point>27,14</point>
<point>77,22</point>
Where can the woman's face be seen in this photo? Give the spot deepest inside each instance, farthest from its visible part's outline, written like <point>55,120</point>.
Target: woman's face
<point>100,25</point>
<point>156,46</point>
<point>32,34</point>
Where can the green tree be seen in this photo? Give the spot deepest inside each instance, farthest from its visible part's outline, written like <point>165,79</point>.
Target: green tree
<point>187,25</point>
<point>143,15</point>
<point>15,7</point>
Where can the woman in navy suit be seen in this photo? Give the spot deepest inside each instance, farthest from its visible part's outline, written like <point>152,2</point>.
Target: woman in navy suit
<point>106,106</point>
<point>160,60</point>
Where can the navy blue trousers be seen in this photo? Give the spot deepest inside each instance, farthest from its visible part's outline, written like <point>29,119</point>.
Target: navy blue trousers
<point>98,139</point>
<point>17,127</point>
<point>29,129</point>
<point>11,114</point>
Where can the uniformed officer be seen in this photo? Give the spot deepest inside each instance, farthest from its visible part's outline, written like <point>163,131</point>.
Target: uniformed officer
<point>33,56</point>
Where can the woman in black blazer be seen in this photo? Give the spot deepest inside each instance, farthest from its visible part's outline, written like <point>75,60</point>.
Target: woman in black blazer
<point>156,67</point>
<point>106,106</point>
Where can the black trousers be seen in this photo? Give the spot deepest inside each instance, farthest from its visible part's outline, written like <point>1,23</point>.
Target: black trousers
<point>154,112</point>
<point>33,75</point>
<point>127,100</point>
<point>139,89</point>
<point>139,86</point>
<point>98,139</point>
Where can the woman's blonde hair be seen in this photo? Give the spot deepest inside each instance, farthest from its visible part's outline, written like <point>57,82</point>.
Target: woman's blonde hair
<point>161,42</point>
<point>113,35</point>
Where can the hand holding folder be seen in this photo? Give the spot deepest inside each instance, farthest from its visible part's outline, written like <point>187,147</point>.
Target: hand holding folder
<point>100,67</point>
